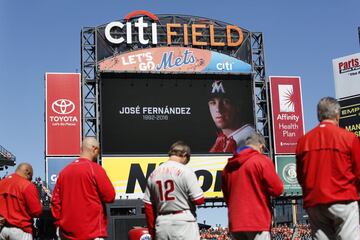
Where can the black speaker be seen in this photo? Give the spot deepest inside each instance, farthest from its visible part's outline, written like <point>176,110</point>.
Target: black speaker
<point>123,215</point>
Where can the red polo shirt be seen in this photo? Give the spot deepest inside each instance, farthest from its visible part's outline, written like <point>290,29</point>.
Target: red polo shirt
<point>328,165</point>
<point>19,202</point>
<point>79,197</point>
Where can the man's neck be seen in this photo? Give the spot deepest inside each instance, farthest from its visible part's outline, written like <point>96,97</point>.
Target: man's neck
<point>86,157</point>
<point>255,147</point>
<point>176,159</point>
<point>227,131</point>
<point>332,121</point>
<point>21,174</point>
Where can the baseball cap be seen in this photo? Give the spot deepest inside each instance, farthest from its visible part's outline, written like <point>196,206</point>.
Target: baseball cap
<point>223,88</point>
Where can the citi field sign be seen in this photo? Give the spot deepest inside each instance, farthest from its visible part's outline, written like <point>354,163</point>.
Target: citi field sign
<point>196,31</point>
<point>143,41</point>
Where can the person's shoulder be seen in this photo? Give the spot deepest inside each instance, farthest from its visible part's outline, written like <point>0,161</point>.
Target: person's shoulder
<point>188,170</point>
<point>337,132</point>
<point>66,169</point>
<point>77,165</point>
<point>259,160</point>
<point>345,132</point>
<point>96,166</point>
<point>19,179</point>
<point>309,135</point>
<point>31,185</point>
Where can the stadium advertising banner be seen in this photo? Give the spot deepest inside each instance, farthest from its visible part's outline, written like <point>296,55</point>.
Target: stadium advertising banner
<point>63,114</point>
<point>347,75</point>
<point>145,114</point>
<point>129,174</point>
<point>286,169</point>
<point>175,59</point>
<point>287,112</point>
<point>146,30</point>
<point>53,167</point>
<point>350,114</point>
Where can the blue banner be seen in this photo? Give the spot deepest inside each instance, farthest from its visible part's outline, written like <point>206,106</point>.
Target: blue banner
<point>54,166</point>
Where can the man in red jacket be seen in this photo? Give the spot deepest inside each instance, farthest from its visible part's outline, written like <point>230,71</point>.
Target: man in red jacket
<point>80,194</point>
<point>19,204</point>
<point>248,181</point>
<point>328,170</point>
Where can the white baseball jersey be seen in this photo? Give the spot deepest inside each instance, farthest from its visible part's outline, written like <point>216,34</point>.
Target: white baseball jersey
<point>171,188</point>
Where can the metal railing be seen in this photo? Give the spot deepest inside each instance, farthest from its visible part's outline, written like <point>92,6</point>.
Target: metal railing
<point>6,157</point>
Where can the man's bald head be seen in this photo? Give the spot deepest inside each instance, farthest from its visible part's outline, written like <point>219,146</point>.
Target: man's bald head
<point>90,148</point>
<point>25,170</point>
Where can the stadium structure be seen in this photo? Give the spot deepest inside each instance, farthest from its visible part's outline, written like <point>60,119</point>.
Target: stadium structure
<point>6,158</point>
<point>144,83</point>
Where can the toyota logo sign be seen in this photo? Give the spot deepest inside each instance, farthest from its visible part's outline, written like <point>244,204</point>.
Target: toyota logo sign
<point>63,106</point>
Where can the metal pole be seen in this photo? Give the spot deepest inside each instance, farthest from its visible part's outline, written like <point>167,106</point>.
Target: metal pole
<point>294,211</point>
<point>359,34</point>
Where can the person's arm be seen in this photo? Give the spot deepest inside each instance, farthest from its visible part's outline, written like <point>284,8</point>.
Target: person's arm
<point>299,165</point>
<point>105,188</point>
<point>355,156</point>
<point>150,213</point>
<point>273,182</point>
<point>195,192</point>
<point>56,202</point>
<point>32,201</point>
<point>224,186</point>
<point>198,201</point>
<point>150,218</point>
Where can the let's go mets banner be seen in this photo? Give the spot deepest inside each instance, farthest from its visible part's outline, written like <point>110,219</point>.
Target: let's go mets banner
<point>63,109</point>
<point>129,174</point>
<point>175,59</point>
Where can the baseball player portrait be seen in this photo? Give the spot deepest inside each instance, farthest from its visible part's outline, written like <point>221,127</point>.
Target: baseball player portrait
<point>171,196</point>
<point>229,116</point>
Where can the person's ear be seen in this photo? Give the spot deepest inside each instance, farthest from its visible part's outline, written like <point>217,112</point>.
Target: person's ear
<point>338,118</point>
<point>261,148</point>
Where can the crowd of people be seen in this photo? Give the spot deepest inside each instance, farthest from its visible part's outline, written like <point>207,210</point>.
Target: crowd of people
<point>215,233</point>
<point>303,232</point>
<point>328,167</point>
<point>280,232</point>
<point>44,192</point>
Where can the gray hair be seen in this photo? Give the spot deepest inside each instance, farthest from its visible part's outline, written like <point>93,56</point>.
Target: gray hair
<point>328,108</point>
<point>255,139</point>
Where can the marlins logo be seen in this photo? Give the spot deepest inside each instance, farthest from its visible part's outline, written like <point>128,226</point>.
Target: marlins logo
<point>217,87</point>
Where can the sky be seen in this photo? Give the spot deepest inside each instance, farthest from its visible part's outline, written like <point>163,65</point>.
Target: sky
<point>300,39</point>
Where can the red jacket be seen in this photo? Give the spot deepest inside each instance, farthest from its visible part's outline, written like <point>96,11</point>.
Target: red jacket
<point>19,202</point>
<point>78,201</point>
<point>328,165</point>
<point>248,181</point>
